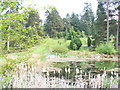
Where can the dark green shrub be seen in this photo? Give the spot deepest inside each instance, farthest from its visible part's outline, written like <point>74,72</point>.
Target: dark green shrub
<point>75,44</point>
<point>78,42</point>
<point>88,41</point>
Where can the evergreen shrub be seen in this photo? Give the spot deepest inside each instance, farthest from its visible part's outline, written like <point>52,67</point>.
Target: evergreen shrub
<point>89,42</point>
<point>75,44</point>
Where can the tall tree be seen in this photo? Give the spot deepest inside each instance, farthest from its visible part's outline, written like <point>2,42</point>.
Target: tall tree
<point>87,19</point>
<point>53,25</point>
<point>100,25</point>
<point>112,27</point>
<point>67,27</point>
<point>8,11</point>
<point>74,21</point>
<point>33,20</point>
<point>114,24</point>
<point>7,7</point>
<point>107,21</point>
<point>15,34</point>
<point>66,24</point>
<point>111,9</point>
<point>118,30</point>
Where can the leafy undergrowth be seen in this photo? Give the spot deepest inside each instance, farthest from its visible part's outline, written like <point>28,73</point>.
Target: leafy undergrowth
<point>106,49</point>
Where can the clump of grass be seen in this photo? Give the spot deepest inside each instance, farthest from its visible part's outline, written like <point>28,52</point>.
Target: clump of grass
<point>60,49</point>
<point>43,58</point>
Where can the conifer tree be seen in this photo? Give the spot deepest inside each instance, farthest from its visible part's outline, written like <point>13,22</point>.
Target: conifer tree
<point>53,24</point>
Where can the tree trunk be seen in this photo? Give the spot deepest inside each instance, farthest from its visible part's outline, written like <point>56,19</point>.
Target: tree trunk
<point>8,44</point>
<point>118,30</point>
<point>117,37</point>
<point>8,41</point>
<point>107,21</point>
<point>0,42</point>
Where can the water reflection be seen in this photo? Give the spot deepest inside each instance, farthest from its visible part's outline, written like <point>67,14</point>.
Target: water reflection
<point>92,74</point>
<point>88,74</point>
<point>85,67</point>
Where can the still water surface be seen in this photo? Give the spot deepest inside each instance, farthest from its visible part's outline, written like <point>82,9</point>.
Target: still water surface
<point>92,74</point>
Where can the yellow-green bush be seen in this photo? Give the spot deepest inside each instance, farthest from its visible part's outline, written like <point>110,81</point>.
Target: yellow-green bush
<point>60,49</point>
<point>107,48</point>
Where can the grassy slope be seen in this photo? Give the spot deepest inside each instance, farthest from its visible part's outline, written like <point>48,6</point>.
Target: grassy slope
<point>52,43</point>
<point>48,44</point>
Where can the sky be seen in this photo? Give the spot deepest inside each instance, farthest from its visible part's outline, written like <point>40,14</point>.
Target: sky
<point>62,6</point>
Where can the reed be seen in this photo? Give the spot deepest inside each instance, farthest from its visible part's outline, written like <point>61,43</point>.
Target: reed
<point>25,76</point>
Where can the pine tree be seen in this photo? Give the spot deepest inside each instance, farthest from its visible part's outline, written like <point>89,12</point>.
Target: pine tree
<point>53,23</point>
<point>87,20</point>
<point>74,21</point>
<point>100,25</point>
<point>88,41</point>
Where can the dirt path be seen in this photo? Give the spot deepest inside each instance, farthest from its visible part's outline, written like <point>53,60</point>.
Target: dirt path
<point>81,59</point>
<point>77,59</point>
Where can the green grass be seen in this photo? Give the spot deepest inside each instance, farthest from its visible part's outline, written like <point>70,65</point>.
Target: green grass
<point>43,57</point>
<point>40,49</point>
<point>49,44</point>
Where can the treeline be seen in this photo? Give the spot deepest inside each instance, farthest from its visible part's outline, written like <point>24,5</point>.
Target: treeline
<point>22,27</point>
<point>104,26</point>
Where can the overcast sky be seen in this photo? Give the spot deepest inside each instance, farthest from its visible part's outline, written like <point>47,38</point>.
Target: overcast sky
<point>63,6</point>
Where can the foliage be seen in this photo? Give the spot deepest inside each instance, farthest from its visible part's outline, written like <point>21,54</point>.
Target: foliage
<point>60,49</point>
<point>74,21</point>
<point>33,17</point>
<point>18,32</point>
<point>100,25</point>
<point>70,34</point>
<point>88,41</point>
<point>75,44</point>
<point>53,24</point>
<point>107,48</point>
<point>66,23</point>
<point>87,19</point>
<point>78,42</point>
